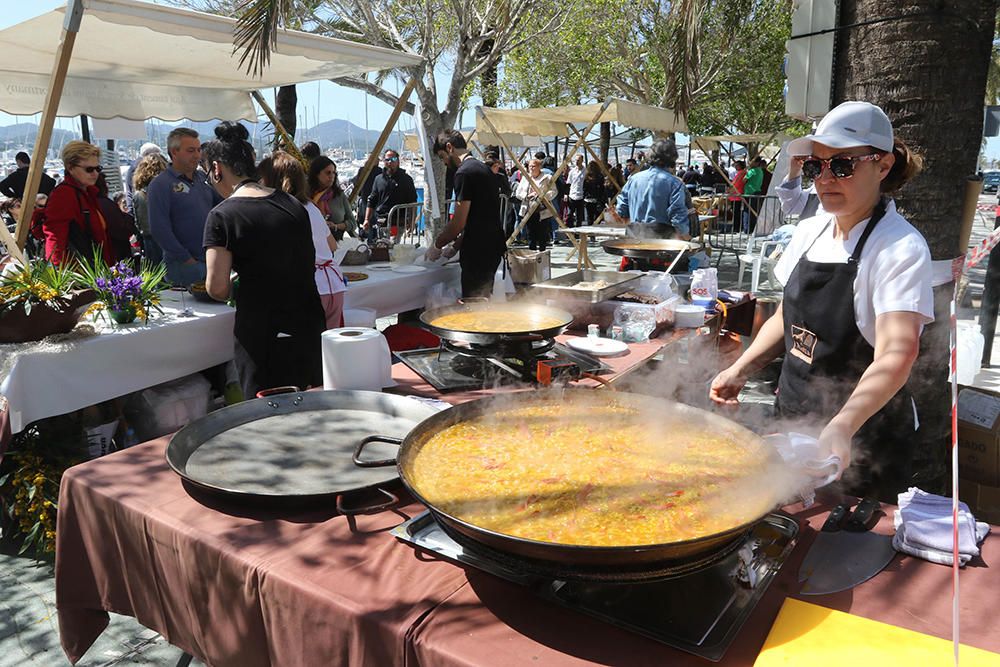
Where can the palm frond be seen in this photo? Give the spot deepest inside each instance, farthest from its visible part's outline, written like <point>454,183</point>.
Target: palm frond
<point>256,32</point>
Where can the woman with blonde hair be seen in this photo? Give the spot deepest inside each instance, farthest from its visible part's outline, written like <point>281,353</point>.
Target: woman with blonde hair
<point>73,224</point>
<point>148,168</point>
<point>283,172</point>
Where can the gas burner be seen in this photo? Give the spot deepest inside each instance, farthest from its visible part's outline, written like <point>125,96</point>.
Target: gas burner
<point>699,611</point>
<point>524,349</point>
<point>457,366</point>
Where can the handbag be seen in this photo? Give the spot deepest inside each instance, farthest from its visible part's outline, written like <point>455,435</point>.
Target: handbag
<point>380,253</point>
<point>356,257</point>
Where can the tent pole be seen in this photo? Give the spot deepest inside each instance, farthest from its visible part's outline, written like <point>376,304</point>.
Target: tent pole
<point>600,164</point>
<point>84,128</point>
<point>541,196</point>
<point>71,26</point>
<point>288,143</point>
<point>382,138</point>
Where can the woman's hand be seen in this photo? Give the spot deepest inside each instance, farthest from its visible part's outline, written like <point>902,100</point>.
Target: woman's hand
<point>726,387</point>
<point>836,439</point>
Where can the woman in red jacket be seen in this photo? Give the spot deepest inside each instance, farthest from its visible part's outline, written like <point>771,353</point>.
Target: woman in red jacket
<point>73,223</point>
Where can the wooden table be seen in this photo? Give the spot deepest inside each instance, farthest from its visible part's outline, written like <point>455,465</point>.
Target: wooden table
<point>584,232</point>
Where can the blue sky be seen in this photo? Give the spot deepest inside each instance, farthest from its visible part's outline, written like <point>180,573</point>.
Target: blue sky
<point>318,101</point>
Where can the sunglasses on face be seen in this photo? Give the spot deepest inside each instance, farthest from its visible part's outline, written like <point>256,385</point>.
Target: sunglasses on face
<point>92,170</point>
<point>840,167</point>
<point>392,159</point>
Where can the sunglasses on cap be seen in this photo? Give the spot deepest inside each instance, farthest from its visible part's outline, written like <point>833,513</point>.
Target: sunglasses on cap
<point>840,167</point>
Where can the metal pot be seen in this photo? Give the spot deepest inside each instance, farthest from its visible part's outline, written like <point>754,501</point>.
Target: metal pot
<point>528,311</point>
<point>295,448</point>
<point>571,560</point>
<point>648,248</point>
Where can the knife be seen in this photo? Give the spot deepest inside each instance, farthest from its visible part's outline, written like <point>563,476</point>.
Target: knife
<point>845,553</point>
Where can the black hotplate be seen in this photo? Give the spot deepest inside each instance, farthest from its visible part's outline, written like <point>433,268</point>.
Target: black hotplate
<point>699,612</point>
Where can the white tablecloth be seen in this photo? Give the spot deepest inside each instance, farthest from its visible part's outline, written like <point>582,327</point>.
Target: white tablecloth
<point>388,292</point>
<point>118,361</point>
<point>74,375</point>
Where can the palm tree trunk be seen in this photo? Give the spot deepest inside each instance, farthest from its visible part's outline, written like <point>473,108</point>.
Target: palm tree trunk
<point>928,72</point>
<point>605,142</point>
<point>285,102</point>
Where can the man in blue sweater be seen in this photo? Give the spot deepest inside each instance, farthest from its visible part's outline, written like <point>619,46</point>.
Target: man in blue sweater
<point>179,201</point>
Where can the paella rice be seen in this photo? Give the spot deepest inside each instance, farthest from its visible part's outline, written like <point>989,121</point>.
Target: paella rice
<point>594,475</point>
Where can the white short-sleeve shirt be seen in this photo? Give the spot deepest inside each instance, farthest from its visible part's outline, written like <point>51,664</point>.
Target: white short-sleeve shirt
<point>327,281</point>
<point>894,273</point>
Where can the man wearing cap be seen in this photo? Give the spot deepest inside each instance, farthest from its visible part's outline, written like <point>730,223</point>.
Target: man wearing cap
<point>857,294</point>
<point>146,149</point>
<point>13,185</point>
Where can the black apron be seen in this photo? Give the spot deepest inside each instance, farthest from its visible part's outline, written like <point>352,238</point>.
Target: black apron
<point>825,356</point>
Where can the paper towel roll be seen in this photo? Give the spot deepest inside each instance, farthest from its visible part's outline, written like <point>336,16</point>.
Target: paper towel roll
<point>356,358</point>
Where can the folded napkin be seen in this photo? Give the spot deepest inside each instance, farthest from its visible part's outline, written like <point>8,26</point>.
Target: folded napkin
<point>924,528</point>
<point>803,452</point>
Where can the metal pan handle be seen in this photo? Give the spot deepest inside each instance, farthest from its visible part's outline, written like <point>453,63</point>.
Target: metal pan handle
<point>368,509</point>
<point>382,463</point>
<point>290,389</point>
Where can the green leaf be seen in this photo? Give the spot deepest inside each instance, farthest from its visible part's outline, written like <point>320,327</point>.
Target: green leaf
<point>3,480</point>
<point>31,492</point>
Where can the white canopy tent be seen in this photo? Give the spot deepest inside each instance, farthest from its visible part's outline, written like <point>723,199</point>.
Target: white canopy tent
<point>138,60</point>
<point>411,142</point>
<point>552,121</point>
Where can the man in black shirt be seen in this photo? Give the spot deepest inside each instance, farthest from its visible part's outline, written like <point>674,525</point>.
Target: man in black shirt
<point>13,185</point>
<point>390,188</point>
<point>475,228</point>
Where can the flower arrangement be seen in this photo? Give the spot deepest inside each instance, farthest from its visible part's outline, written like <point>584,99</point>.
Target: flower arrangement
<point>125,294</point>
<point>27,286</point>
<point>29,481</point>
<point>38,299</point>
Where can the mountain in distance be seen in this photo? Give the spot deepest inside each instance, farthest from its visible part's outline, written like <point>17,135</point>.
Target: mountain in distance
<point>24,134</point>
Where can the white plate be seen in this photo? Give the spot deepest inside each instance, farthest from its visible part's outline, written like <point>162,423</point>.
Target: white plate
<point>598,347</point>
<point>409,268</point>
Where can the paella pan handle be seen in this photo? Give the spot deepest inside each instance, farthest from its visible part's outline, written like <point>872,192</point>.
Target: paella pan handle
<point>289,389</point>
<point>368,509</point>
<point>378,463</point>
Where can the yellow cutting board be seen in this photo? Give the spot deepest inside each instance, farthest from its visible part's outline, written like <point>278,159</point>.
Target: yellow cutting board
<point>807,634</point>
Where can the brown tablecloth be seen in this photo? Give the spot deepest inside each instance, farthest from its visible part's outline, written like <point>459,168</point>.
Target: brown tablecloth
<point>232,585</point>
<point>236,586</point>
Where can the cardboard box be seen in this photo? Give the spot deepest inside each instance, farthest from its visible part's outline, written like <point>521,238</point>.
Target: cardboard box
<point>982,499</point>
<point>979,436</point>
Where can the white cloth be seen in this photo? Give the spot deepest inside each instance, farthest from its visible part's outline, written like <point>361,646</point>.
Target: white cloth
<point>575,179</point>
<point>328,280</point>
<point>802,452</point>
<point>119,361</point>
<point>894,273</point>
<point>924,528</point>
<point>92,370</point>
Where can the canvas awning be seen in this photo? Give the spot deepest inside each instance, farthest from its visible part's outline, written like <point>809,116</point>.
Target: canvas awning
<point>483,138</point>
<point>712,143</point>
<point>551,121</point>
<point>139,60</point>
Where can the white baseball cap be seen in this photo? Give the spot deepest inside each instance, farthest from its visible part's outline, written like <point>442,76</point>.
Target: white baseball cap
<point>148,149</point>
<point>848,125</point>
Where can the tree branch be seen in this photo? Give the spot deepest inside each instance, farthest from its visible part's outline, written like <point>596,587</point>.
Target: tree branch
<point>375,91</point>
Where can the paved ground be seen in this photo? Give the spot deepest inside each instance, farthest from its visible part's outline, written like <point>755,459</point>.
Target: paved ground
<point>28,626</point>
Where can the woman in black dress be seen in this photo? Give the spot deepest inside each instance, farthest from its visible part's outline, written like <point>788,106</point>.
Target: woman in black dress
<point>264,235</point>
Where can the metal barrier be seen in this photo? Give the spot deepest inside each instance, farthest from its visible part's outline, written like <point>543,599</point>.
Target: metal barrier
<point>408,219</point>
<point>740,220</point>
